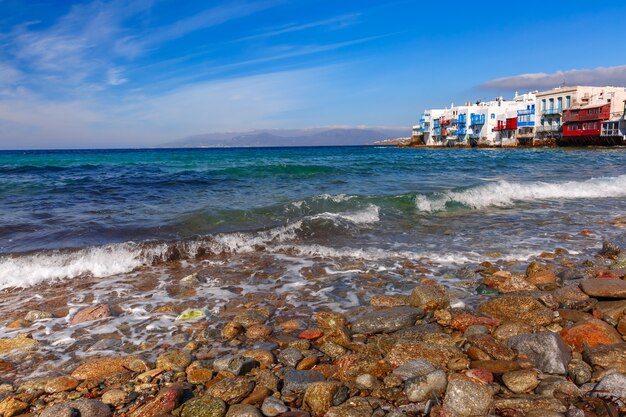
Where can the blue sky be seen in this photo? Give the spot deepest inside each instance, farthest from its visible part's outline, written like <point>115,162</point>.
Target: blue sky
<point>144,72</point>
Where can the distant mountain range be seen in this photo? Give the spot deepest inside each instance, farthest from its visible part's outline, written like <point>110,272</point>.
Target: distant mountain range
<point>292,137</point>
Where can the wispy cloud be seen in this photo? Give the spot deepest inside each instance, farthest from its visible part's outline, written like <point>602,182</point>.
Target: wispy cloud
<point>243,103</point>
<point>77,48</point>
<point>115,76</point>
<point>9,74</point>
<point>207,18</point>
<point>86,45</point>
<point>192,73</point>
<point>595,76</point>
<point>334,22</point>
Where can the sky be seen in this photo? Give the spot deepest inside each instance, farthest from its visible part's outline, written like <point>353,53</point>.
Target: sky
<point>135,73</point>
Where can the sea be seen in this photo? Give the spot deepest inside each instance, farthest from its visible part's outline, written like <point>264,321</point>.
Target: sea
<point>304,229</point>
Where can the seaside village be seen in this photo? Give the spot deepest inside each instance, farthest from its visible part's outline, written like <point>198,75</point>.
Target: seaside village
<point>563,116</point>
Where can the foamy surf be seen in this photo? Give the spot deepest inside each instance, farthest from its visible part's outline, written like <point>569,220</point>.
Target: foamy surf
<point>504,193</point>
<point>24,270</point>
<point>369,215</point>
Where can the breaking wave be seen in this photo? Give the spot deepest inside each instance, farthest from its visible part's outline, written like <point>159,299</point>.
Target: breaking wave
<point>24,270</point>
<point>505,193</point>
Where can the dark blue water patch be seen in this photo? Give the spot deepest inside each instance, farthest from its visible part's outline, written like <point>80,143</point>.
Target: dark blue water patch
<point>77,198</point>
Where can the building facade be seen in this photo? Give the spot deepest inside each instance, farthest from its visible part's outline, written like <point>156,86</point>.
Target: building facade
<point>563,115</point>
<point>582,122</point>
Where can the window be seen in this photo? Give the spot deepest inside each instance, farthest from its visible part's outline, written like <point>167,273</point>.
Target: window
<point>560,103</point>
<point>543,104</point>
<point>568,102</point>
<point>493,115</point>
<point>551,103</point>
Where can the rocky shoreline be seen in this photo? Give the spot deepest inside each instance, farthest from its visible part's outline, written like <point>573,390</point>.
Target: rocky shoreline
<point>549,341</point>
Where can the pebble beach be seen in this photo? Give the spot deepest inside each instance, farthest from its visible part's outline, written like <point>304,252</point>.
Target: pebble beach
<point>499,297</point>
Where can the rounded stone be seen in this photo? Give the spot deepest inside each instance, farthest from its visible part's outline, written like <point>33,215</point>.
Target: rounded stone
<point>476,329</point>
<point>290,357</point>
<point>231,330</point>
<point>590,333</point>
<point>272,407</point>
<point>82,407</point>
<point>258,331</point>
<point>366,381</point>
<point>423,387</point>
<point>430,297</point>
<point>198,374</point>
<point>517,308</point>
<point>231,390</point>
<point>243,410</point>
<point>465,398</point>
<point>34,315</point>
<point>96,312</point>
<point>320,396</point>
<point>413,369</point>
<point>114,397</point>
<point>522,381</point>
<point>174,360</point>
<point>204,407</point>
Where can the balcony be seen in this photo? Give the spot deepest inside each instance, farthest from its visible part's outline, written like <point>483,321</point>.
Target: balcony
<point>548,129</point>
<point>462,119</point>
<point>511,123</point>
<point>444,122</point>
<point>611,132</point>
<point>477,119</point>
<point>582,129</point>
<point>552,111</point>
<point>500,126</point>
<point>527,112</point>
<point>587,115</point>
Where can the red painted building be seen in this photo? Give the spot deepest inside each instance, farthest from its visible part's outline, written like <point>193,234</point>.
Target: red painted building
<point>585,121</point>
<point>509,124</point>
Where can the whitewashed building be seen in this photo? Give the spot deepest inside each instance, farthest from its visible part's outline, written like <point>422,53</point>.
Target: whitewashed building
<point>481,123</point>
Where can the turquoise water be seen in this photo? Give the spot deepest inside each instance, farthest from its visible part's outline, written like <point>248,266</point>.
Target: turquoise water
<point>357,201</point>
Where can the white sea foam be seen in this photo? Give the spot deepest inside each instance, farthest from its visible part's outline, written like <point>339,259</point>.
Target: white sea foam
<point>22,271</point>
<point>504,193</point>
<point>27,270</point>
<point>378,254</point>
<point>338,198</point>
<point>368,215</point>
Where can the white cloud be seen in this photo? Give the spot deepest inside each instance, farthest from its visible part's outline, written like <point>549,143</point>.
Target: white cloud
<point>236,104</point>
<point>334,22</point>
<point>142,42</point>
<point>597,76</point>
<point>115,76</point>
<point>9,74</point>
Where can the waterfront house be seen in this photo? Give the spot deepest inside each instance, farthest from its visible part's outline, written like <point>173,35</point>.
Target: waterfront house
<point>613,131</point>
<point>552,104</point>
<point>583,122</point>
<point>526,125</point>
<point>563,115</point>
